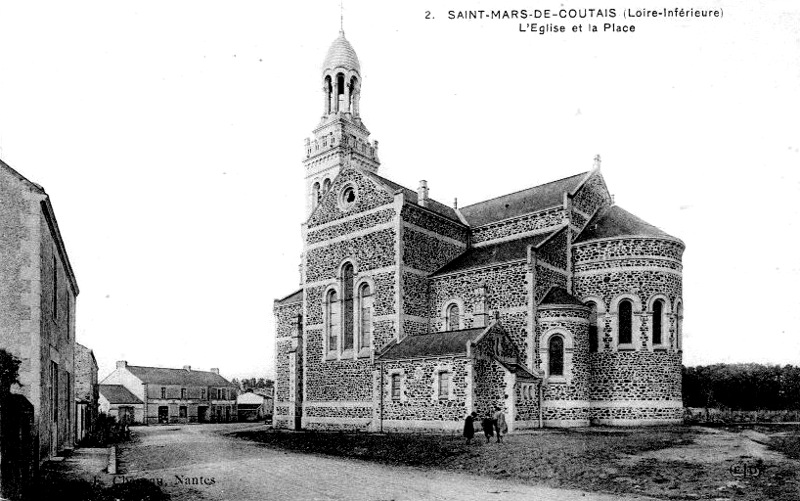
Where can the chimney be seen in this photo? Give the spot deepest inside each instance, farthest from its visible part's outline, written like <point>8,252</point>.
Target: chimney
<point>422,193</point>
<point>215,371</point>
<point>121,364</point>
<point>187,368</point>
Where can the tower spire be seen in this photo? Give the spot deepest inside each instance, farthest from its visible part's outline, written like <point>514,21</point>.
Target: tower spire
<point>341,17</point>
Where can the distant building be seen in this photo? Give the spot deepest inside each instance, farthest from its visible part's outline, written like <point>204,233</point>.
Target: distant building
<point>87,394</point>
<point>117,401</point>
<point>175,395</point>
<point>253,406</point>
<point>37,310</point>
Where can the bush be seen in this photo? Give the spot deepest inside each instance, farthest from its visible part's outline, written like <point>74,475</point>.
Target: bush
<point>107,431</point>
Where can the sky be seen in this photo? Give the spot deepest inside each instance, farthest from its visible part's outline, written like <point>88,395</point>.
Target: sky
<point>169,136</point>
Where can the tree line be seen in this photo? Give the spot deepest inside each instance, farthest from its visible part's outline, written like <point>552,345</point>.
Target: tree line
<point>746,387</point>
<point>251,384</point>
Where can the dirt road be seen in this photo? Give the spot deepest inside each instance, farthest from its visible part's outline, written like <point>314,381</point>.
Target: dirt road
<point>201,462</point>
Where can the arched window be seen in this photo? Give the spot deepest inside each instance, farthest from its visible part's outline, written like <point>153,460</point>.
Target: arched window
<point>326,185</point>
<point>593,331</point>
<point>625,322</point>
<point>347,306</point>
<point>327,88</point>
<point>658,315</point>
<point>340,104</point>
<point>332,307</point>
<point>679,327</point>
<point>365,309</point>
<point>555,359</point>
<point>315,195</point>
<point>453,319</point>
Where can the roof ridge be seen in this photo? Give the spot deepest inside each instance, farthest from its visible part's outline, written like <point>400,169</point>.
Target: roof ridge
<point>168,368</point>
<point>524,189</point>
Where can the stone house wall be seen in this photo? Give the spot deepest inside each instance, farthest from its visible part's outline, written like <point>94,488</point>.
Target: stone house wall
<point>419,405</point>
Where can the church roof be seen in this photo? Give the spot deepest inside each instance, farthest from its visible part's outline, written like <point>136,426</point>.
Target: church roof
<point>559,295</point>
<point>161,375</point>
<point>341,55</point>
<point>435,344</point>
<point>504,252</point>
<point>411,196</point>
<point>522,202</point>
<point>617,222</point>
<point>118,394</point>
<point>294,297</point>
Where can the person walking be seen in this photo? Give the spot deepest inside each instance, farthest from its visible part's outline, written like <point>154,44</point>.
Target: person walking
<point>469,426</point>
<point>500,425</point>
<point>487,424</point>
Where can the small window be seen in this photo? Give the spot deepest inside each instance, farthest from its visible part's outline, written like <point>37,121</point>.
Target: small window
<point>348,196</point>
<point>182,411</point>
<point>365,307</point>
<point>444,385</point>
<point>163,392</point>
<point>679,327</point>
<point>594,341</point>
<point>396,387</point>
<point>625,328</point>
<point>556,356</point>
<point>333,320</point>
<point>183,393</point>
<point>453,317</point>
<point>203,394</point>
<point>658,313</point>
<point>326,185</point>
<point>316,194</point>
<point>347,306</point>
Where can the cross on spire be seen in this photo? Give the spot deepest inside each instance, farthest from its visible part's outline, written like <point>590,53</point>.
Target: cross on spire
<point>341,16</point>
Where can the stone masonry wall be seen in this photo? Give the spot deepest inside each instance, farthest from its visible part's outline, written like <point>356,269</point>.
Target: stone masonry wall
<point>351,226</point>
<point>575,322</point>
<point>591,196</point>
<point>554,250</point>
<point>435,223</point>
<point>371,251</point>
<point>418,400</point>
<point>369,196</point>
<point>547,278</point>
<point>538,221</point>
<point>425,252</point>
<point>635,375</point>
<point>506,293</point>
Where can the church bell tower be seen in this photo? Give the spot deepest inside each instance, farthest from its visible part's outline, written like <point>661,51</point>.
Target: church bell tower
<point>340,138</point>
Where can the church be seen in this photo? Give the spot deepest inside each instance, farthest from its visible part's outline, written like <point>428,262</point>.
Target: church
<point>551,303</point>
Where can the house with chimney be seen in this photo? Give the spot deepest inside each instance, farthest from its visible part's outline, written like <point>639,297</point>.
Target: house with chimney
<point>159,395</point>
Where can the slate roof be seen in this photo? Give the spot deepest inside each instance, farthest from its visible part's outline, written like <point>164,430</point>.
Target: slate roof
<point>435,344</point>
<point>118,394</point>
<point>182,377</point>
<point>503,252</point>
<point>411,195</point>
<point>294,297</point>
<point>617,222</point>
<point>341,55</point>
<point>518,369</point>
<point>559,295</point>
<point>522,202</point>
